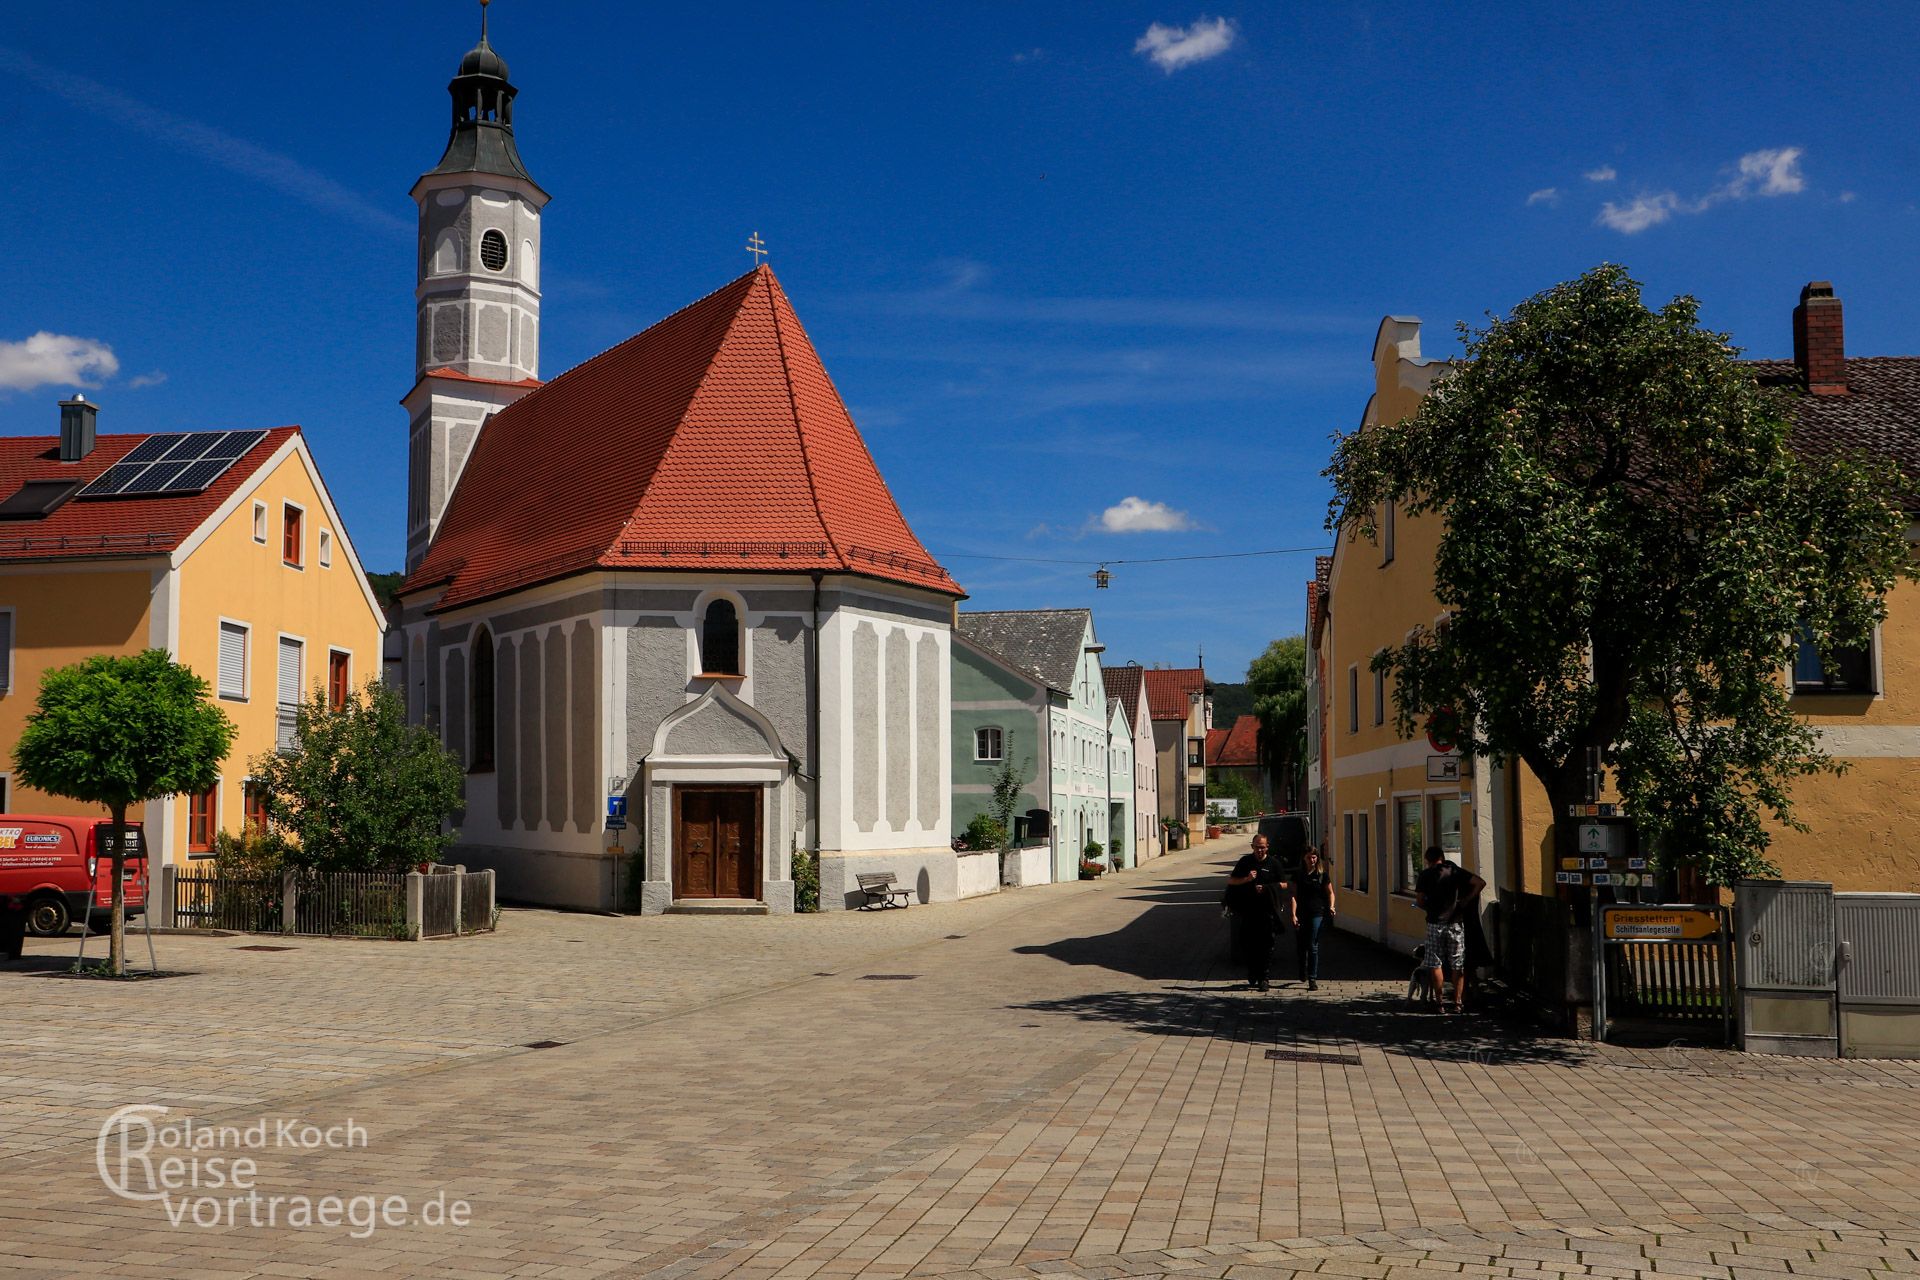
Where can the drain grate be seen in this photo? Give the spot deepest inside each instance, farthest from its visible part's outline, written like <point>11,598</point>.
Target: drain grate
<point>888,977</point>
<point>259,946</point>
<point>825,973</point>
<point>1326,1059</point>
<point>955,937</point>
<point>543,1044</point>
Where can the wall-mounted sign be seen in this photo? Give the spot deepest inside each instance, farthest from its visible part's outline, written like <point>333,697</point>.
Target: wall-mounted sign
<point>1443,768</point>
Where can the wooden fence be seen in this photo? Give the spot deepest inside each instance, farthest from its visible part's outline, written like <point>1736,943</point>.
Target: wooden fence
<point>363,904</point>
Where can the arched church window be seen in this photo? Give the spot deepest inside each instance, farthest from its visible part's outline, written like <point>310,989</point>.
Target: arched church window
<point>720,640</point>
<point>480,702</point>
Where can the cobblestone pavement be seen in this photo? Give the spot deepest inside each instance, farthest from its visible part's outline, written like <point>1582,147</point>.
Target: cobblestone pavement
<point>1058,1081</point>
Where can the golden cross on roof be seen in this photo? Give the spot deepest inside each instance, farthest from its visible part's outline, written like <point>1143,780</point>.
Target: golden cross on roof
<point>757,247</point>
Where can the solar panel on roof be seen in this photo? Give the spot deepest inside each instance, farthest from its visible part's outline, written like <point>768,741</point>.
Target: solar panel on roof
<point>176,463</point>
<point>151,449</point>
<point>157,478</point>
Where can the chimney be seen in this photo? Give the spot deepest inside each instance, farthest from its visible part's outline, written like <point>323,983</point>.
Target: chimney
<point>1819,340</point>
<point>76,427</point>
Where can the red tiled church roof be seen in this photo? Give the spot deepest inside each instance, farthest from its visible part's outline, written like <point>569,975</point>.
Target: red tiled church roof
<point>712,441</point>
<point>1168,689</point>
<point>96,528</point>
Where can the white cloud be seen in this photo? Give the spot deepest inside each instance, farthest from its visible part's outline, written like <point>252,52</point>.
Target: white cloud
<point>1777,172</point>
<point>1639,213</point>
<point>1137,515</point>
<point>1605,173</point>
<point>153,379</point>
<point>1770,172</point>
<point>1030,55</point>
<point>55,359</point>
<point>1545,195</point>
<point>1847,197</point>
<point>1171,48</point>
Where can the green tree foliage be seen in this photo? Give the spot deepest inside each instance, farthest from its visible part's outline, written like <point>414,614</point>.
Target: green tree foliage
<point>363,790</point>
<point>1630,544</point>
<point>1008,781</point>
<point>118,732</point>
<point>984,831</point>
<point>1233,786</point>
<point>1277,679</point>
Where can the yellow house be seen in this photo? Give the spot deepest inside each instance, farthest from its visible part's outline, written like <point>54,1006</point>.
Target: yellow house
<point>1380,800</point>
<point>221,547</point>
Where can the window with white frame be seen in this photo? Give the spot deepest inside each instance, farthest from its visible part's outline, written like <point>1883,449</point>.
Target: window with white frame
<point>232,681</point>
<point>988,743</point>
<point>326,548</point>
<point>1843,669</point>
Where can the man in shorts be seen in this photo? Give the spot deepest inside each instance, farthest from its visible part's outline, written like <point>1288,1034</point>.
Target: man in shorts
<point>1446,891</point>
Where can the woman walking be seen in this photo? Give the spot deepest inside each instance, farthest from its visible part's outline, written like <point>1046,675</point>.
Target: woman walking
<point>1312,906</point>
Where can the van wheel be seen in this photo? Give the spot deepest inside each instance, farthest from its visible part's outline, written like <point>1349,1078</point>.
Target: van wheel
<point>48,917</point>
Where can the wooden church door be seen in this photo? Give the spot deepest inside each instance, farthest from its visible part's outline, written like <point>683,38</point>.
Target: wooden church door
<point>716,852</point>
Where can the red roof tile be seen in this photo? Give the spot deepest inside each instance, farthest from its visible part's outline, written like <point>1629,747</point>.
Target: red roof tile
<point>1124,683</point>
<point>1168,689</point>
<point>713,440</point>
<point>96,528</point>
<point>1238,746</point>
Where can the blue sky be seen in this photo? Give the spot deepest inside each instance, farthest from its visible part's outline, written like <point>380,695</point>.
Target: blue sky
<point>1056,256</point>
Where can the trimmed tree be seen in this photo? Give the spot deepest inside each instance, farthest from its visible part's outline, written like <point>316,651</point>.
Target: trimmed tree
<point>1007,785</point>
<point>362,790</point>
<point>118,732</point>
<point>1631,546</point>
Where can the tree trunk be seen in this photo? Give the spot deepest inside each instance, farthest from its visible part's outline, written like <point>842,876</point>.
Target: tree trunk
<point>117,948</point>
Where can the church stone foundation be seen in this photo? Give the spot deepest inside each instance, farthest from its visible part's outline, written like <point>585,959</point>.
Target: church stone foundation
<point>929,875</point>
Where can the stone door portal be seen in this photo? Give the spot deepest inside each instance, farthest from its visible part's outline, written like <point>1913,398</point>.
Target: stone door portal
<point>716,852</point>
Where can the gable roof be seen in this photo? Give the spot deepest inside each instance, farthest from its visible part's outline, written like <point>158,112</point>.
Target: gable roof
<point>1124,683</point>
<point>1168,689</point>
<point>712,440</point>
<point>1044,643</point>
<point>110,528</point>
<point>1236,746</point>
<point>1879,415</point>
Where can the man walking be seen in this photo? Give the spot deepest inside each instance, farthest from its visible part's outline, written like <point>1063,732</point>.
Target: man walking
<point>1252,892</point>
<point>1311,907</point>
<point>1444,891</point>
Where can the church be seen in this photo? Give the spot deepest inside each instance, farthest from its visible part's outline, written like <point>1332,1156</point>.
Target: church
<point>670,577</point>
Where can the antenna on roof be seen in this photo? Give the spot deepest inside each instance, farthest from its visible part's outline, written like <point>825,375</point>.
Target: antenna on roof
<point>757,247</point>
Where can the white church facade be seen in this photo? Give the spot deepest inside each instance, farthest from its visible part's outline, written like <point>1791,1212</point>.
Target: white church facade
<point>672,574</point>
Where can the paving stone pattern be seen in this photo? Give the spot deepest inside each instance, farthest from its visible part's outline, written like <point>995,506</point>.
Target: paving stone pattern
<point>1073,1086</point>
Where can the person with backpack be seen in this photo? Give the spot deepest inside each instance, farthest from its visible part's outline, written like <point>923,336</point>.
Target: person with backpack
<point>1252,898</point>
<point>1445,891</point>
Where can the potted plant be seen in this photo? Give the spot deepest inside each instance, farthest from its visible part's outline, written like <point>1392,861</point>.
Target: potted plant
<point>1090,865</point>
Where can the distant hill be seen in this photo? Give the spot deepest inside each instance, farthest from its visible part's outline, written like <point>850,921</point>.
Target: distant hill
<point>1230,702</point>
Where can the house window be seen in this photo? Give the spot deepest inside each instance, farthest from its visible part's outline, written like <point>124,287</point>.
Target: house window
<point>254,799</point>
<point>201,819</point>
<point>1848,669</point>
<point>987,743</point>
<point>1196,751</point>
<point>480,701</point>
<point>1353,699</point>
<point>6,651</point>
<point>1410,832</point>
<point>1196,799</point>
<point>233,661</point>
<point>290,541</point>
<point>1379,697</point>
<point>1346,849</point>
<point>286,725</point>
<point>1364,872</point>
<point>1386,534</point>
<point>260,523</point>
<point>1446,825</point>
<point>339,679</point>
<point>326,549</point>
<point>720,639</point>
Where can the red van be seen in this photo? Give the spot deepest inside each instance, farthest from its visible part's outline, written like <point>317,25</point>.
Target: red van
<point>61,870</point>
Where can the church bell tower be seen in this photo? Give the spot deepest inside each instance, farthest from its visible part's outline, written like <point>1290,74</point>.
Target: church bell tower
<point>477,295</point>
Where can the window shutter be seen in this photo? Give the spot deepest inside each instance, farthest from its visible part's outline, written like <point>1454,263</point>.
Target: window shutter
<point>6,652</point>
<point>233,661</point>
<point>289,672</point>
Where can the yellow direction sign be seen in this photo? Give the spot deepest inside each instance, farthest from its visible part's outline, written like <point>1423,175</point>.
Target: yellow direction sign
<point>1625,923</point>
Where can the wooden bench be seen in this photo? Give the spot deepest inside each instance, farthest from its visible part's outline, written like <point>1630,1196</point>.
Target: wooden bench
<point>881,891</point>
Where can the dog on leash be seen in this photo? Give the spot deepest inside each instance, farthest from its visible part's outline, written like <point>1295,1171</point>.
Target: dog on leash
<point>1420,983</point>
